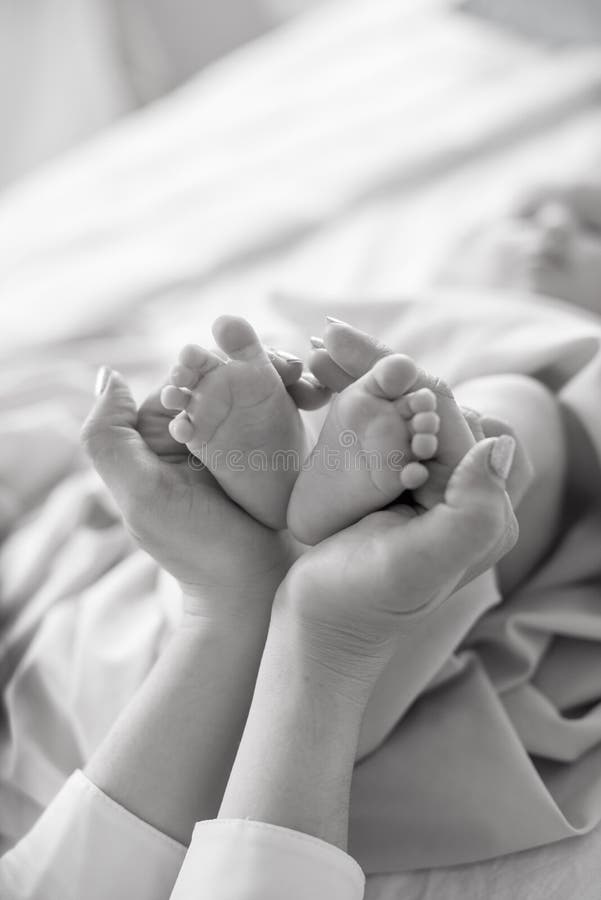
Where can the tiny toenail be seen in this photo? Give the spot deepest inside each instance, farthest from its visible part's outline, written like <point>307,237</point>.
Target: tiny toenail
<point>501,456</point>
<point>316,343</point>
<point>332,321</point>
<point>285,357</point>
<point>102,379</point>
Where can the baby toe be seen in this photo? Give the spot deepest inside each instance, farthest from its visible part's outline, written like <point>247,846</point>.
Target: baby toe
<point>192,356</point>
<point>425,423</point>
<point>423,400</point>
<point>424,446</point>
<point>391,376</point>
<point>173,397</point>
<point>181,429</point>
<point>239,340</point>
<point>415,403</point>
<point>183,377</point>
<point>414,475</point>
<point>199,360</point>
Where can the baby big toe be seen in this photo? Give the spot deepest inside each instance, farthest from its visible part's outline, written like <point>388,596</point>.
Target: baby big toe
<point>391,376</point>
<point>239,340</point>
<point>194,363</point>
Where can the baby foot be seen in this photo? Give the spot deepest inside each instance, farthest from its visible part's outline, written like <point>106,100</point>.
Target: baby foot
<point>368,451</point>
<point>347,353</point>
<point>238,419</point>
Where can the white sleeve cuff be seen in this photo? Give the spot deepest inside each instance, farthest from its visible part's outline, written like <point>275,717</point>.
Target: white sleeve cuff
<point>234,859</point>
<point>86,845</point>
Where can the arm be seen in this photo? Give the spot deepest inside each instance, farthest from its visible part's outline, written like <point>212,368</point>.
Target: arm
<point>282,826</point>
<point>333,629</point>
<point>295,762</point>
<point>166,761</point>
<point>168,757</point>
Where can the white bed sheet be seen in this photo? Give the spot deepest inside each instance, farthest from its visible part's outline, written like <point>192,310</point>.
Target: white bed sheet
<point>338,156</point>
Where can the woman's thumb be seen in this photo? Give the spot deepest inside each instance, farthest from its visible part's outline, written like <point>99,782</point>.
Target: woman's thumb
<point>477,489</point>
<point>118,452</point>
<point>485,468</point>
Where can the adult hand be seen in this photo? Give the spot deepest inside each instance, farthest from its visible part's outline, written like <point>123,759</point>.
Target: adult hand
<point>351,595</point>
<point>175,509</point>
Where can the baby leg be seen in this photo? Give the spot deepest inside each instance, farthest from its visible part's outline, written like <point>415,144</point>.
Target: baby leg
<point>534,414</point>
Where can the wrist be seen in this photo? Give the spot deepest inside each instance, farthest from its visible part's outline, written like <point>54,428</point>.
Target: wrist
<point>326,661</point>
<point>216,604</point>
<point>295,761</point>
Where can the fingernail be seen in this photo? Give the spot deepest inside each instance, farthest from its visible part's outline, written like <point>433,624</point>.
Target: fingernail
<point>316,343</point>
<point>312,380</point>
<point>286,357</point>
<point>501,456</point>
<point>102,379</point>
<point>332,321</point>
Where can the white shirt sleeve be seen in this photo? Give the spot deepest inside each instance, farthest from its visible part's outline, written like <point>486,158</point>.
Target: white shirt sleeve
<point>234,859</point>
<point>87,846</point>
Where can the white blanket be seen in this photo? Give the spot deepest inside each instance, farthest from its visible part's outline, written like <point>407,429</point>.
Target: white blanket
<point>337,156</point>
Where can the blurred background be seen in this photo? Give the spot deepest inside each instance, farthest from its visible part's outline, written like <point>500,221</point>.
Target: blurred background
<point>161,152</point>
<point>70,67</point>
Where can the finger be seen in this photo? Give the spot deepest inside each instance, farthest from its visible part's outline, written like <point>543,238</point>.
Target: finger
<point>522,471</point>
<point>327,371</point>
<point>465,534</point>
<point>153,425</point>
<point>308,393</point>
<point>477,490</point>
<point>118,452</point>
<point>354,351</point>
<point>474,421</point>
<point>288,367</point>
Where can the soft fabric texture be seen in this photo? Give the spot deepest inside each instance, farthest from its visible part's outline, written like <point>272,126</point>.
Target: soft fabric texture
<point>477,766</point>
<point>86,845</point>
<point>350,162</point>
<point>243,860</point>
